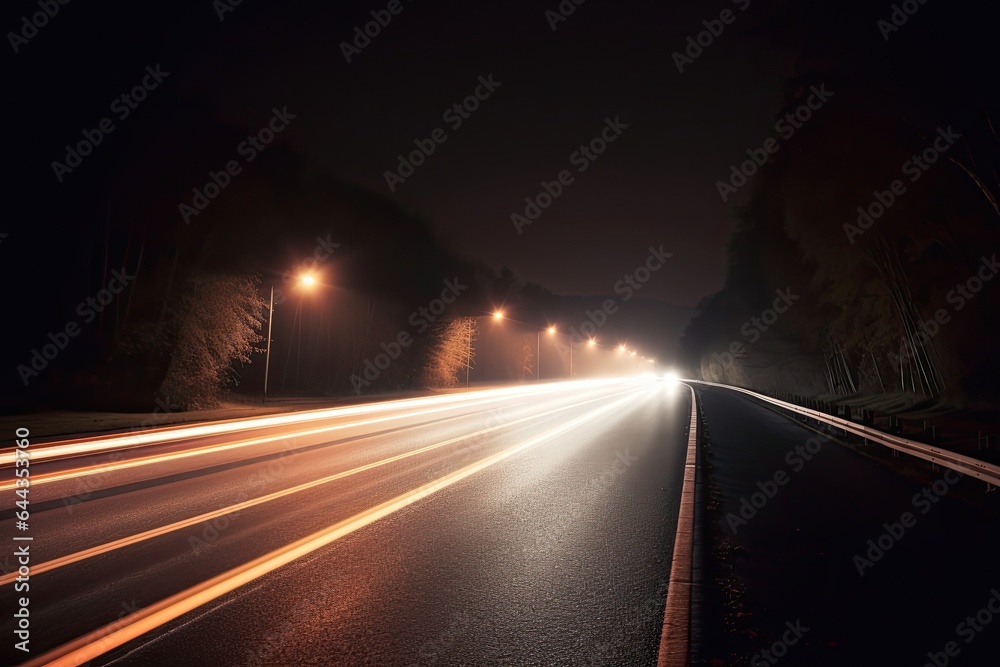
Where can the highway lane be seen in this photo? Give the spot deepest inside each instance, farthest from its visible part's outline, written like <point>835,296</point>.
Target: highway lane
<point>882,568</point>
<point>515,528</point>
<point>230,440</point>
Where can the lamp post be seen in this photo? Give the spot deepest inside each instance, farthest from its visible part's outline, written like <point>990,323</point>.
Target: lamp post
<point>468,353</point>
<point>267,358</point>
<point>497,315</point>
<point>538,352</point>
<point>306,279</point>
<point>591,342</point>
<point>569,341</point>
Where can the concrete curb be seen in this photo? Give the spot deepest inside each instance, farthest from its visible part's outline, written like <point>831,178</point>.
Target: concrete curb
<point>676,635</point>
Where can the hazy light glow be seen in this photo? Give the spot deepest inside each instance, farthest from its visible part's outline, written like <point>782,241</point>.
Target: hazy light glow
<point>96,444</point>
<point>136,624</point>
<point>215,513</point>
<point>498,314</point>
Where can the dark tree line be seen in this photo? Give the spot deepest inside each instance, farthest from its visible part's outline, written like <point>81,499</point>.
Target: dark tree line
<point>880,214</point>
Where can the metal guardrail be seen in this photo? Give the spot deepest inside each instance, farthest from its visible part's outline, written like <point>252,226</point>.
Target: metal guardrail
<point>965,465</point>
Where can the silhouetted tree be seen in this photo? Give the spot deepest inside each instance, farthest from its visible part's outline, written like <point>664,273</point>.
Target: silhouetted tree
<point>217,326</point>
<point>452,353</point>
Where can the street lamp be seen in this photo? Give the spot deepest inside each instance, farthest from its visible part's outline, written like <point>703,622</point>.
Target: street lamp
<point>497,315</point>
<point>538,352</point>
<point>468,351</point>
<point>306,280</point>
<point>569,341</point>
<point>591,342</point>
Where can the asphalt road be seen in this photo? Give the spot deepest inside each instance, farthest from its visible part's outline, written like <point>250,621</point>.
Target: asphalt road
<point>826,556</point>
<point>528,526</point>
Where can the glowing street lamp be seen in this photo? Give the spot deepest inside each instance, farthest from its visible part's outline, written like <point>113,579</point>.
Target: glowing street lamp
<point>307,280</point>
<point>497,315</point>
<point>569,340</point>
<point>538,352</point>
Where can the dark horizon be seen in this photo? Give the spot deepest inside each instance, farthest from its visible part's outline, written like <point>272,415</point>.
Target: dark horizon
<point>554,155</point>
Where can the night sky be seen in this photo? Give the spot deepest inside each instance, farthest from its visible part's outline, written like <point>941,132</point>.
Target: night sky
<point>559,81</point>
<point>654,186</point>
